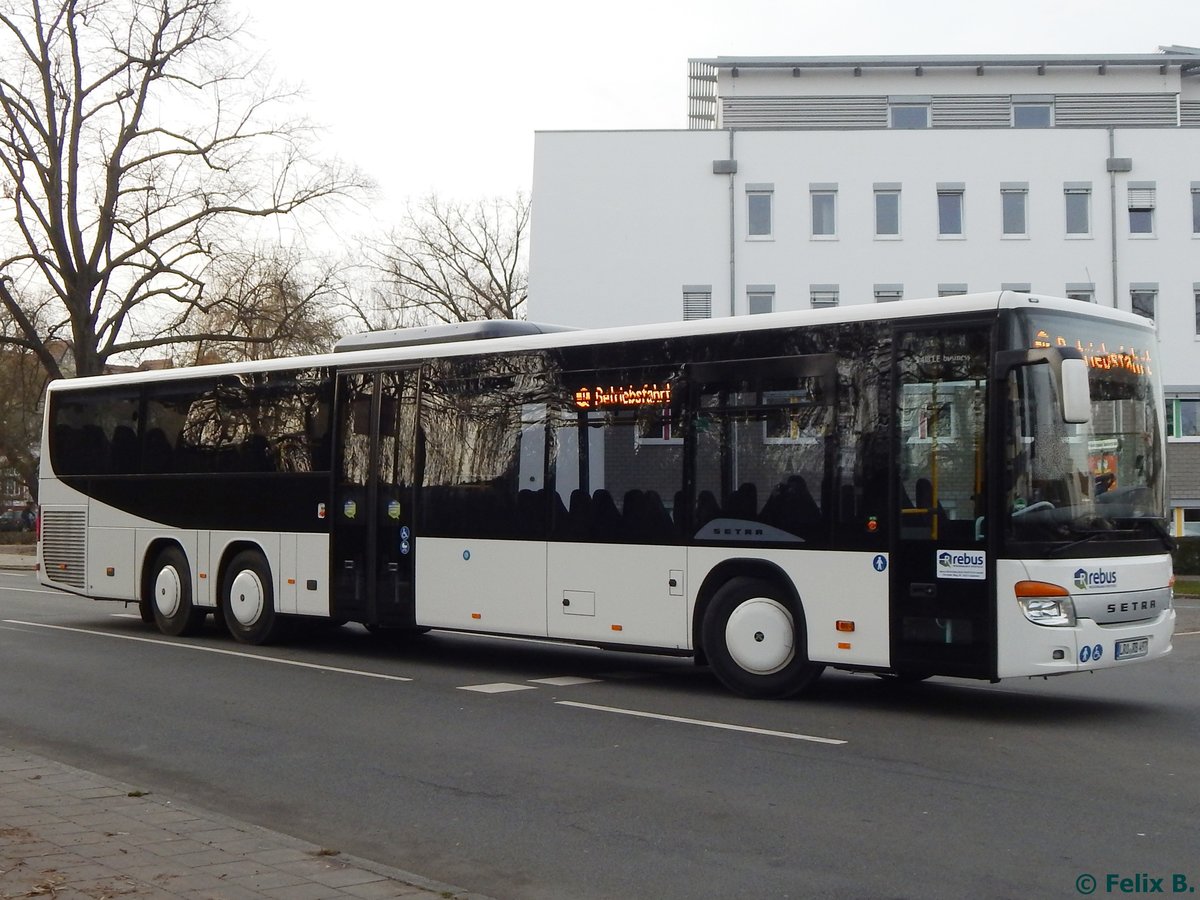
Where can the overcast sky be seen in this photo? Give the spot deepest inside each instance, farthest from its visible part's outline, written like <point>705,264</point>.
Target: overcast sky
<point>445,95</point>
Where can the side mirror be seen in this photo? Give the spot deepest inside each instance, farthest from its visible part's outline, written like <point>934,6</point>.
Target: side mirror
<point>1070,372</point>
<point>1076,398</point>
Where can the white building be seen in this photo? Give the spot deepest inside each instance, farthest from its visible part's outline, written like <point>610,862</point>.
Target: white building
<point>817,180</point>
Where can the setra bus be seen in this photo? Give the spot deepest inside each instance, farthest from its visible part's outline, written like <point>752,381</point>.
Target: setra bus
<point>970,487</point>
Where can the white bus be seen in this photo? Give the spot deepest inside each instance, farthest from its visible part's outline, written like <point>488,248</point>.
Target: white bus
<point>970,487</point>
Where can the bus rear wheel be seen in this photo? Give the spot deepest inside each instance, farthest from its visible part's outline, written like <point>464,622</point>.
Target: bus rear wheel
<point>248,600</point>
<point>171,595</point>
<point>754,639</point>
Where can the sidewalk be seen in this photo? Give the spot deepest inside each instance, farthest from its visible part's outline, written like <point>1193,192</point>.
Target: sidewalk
<point>66,833</point>
<point>18,556</point>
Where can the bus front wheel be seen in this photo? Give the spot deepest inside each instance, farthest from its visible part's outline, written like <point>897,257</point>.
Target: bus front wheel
<point>248,601</point>
<point>171,595</point>
<point>754,639</point>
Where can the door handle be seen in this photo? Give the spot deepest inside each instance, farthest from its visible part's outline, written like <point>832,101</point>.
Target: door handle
<point>922,590</point>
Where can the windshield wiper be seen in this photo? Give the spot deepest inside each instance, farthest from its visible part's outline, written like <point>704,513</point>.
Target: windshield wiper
<point>1159,526</point>
<point>1059,551</point>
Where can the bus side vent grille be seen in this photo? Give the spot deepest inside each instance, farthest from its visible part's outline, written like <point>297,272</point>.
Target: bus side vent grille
<point>64,540</point>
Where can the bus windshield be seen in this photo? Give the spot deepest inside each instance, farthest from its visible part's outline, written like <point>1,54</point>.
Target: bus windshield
<point>1090,483</point>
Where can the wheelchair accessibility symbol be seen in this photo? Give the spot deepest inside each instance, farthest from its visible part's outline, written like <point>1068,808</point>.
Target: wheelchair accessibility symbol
<point>1091,654</point>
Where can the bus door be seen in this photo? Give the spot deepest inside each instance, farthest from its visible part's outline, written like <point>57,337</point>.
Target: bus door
<point>942,620</point>
<point>373,544</point>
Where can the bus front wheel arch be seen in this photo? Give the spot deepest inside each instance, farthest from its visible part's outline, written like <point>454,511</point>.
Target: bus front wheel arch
<point>167,594</point>
<point>754,639</point>
<point>248,599</point>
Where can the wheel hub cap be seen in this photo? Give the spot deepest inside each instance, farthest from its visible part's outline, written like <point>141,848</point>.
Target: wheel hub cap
<point>760,636</point>
<point>168,592</point>
<point>246,598</point>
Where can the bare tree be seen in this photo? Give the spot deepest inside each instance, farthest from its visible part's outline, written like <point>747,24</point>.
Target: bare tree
<point>22,385</point>
<point>268,303</point>
<point>456,262</point>
<point>137,140</point>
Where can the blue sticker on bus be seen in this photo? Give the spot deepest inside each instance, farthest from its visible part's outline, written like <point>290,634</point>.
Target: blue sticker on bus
<point>1085,654</point>
<point>1097,652</point>
<point>879,563</point>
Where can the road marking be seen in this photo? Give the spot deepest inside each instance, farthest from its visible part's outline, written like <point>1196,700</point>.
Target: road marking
<point>1185,633</point>
<point>238,653</point>
<point>565,681</point>
<point>722,725</point>
<point>21,590</point>
<point>499,687</point>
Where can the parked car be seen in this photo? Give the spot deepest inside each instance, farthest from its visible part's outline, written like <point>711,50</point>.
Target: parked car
<point>12,520</point>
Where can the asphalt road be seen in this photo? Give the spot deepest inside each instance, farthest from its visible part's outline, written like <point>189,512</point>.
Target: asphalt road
<point>523,770</point>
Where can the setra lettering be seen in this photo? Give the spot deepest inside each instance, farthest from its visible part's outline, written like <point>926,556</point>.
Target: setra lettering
<point>1132,606</point>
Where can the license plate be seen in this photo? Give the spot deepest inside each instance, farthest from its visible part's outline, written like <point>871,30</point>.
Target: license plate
<point>1132,648</point>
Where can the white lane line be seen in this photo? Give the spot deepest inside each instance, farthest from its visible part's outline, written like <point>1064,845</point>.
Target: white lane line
<point>565,681</point>
<point>499,687</point>
<point>722,725</point>
<point>1185,633</point>
<point>238,653</point>
<point>21,590</point>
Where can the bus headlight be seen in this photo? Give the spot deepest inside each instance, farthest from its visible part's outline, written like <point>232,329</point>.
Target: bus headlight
<point>1046,604</point>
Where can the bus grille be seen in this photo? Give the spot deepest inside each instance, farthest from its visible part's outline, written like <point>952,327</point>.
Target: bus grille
<point>64,541</point>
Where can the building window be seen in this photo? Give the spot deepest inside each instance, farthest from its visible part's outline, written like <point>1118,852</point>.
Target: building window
<point>1141,208</point>
<point>886,293</point>
<point>1078,200</point>
<point>822,296</point>
<point>760,298</point>
<point>1082,291</point>
<point>1183,418</point>
<point>1196,208</point>
<point>697,301</point>
<point>1038,114</point>
<point>759,203</point>
<point>1189,418</point>
<point>887,211</point>
<point>1143,298</point>
<point>951,290</point>
<point>950,211</point>
<point>909,115</point>
<point>824,210</point>
<point>1014,206</point>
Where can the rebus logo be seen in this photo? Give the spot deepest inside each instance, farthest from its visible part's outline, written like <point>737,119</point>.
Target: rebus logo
<point>1099,578</point>
<point>947,559</point>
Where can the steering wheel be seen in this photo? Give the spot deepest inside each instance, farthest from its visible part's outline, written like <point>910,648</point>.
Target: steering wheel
<point>1041,504</point>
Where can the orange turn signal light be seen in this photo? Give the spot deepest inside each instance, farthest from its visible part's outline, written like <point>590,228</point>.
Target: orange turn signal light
<point>1040,589</point>
<point>845,625</point>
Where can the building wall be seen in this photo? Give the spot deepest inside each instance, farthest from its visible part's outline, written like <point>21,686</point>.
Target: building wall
<point>621,217</point>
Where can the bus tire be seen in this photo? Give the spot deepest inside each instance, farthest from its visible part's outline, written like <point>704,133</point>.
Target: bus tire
<point>754,639</point>
<point>171,595</point>
<point>248,600</point>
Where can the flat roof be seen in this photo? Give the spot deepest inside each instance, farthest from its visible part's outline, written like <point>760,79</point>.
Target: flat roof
<point>1187,58</point>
